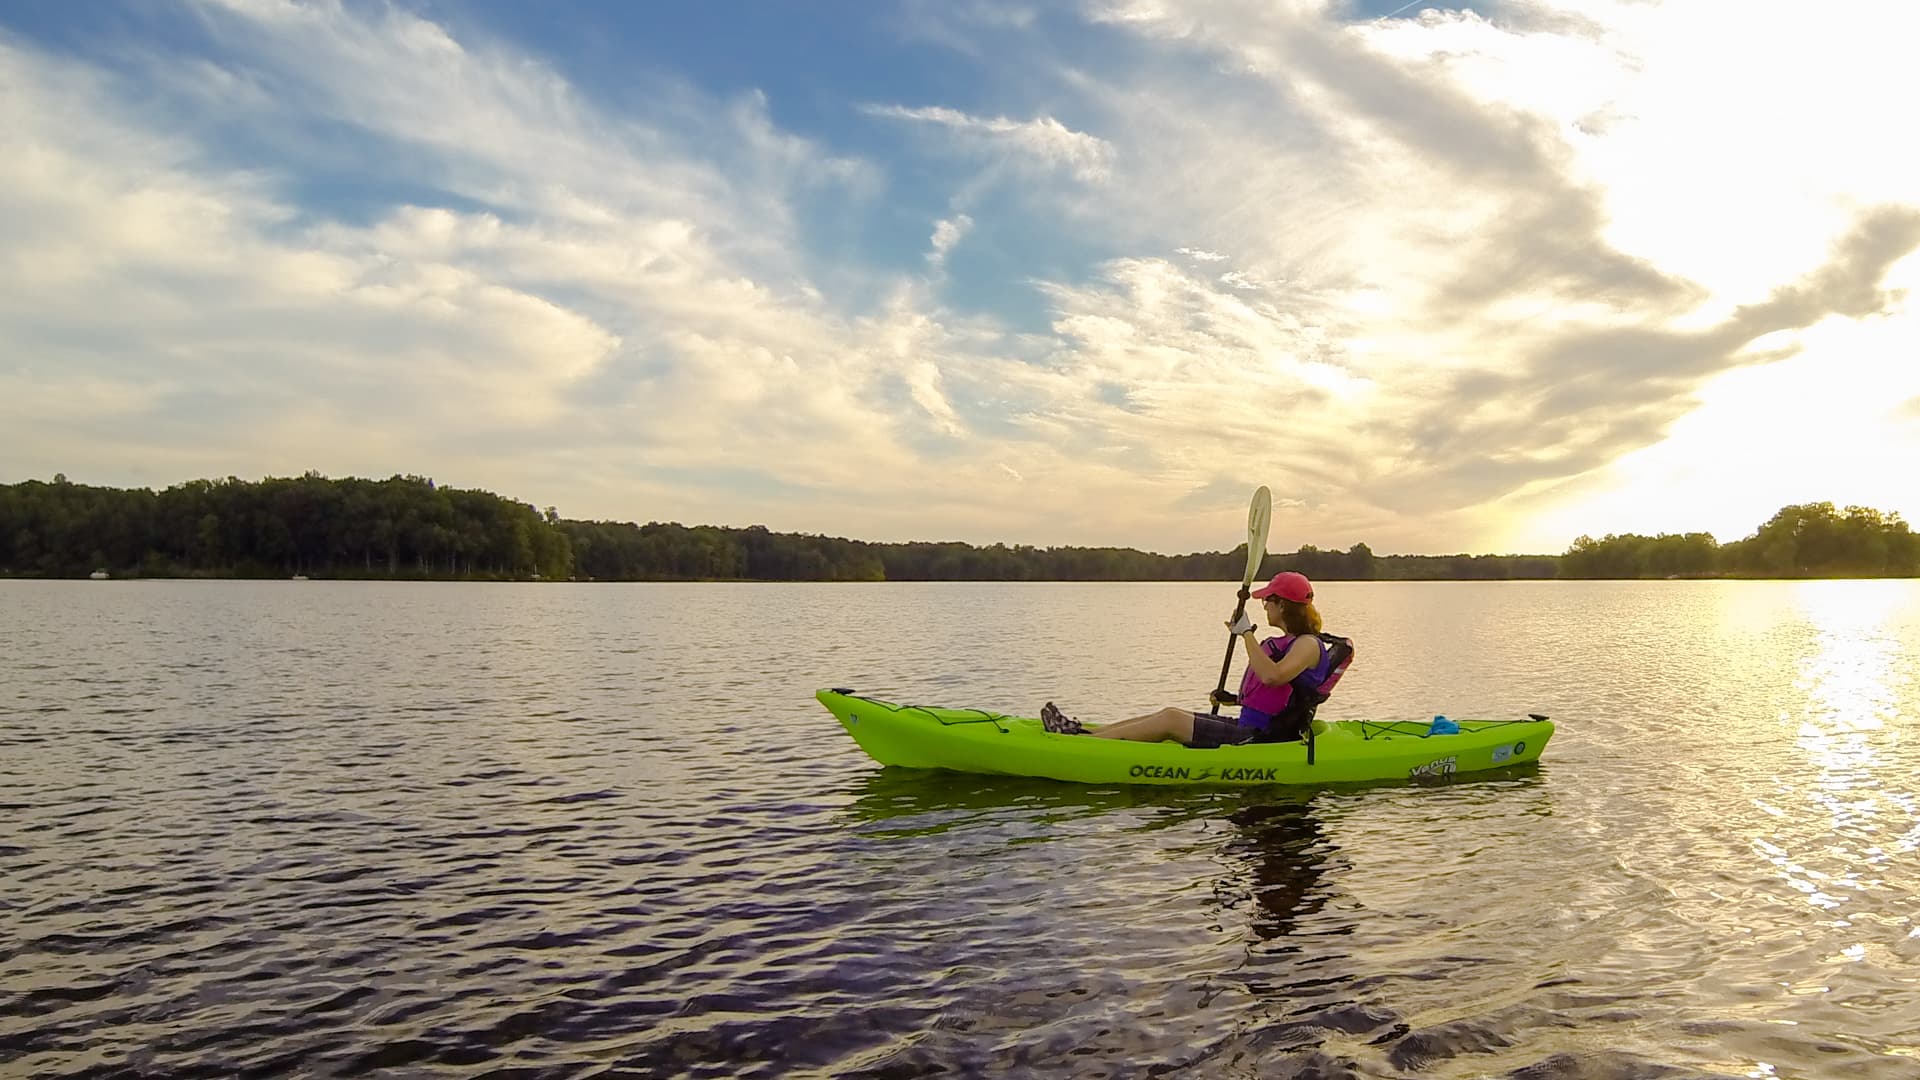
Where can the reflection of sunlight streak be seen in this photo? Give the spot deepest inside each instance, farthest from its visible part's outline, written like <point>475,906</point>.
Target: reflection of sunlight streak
<point>1853,674</point>
<point>1801,877</point>
<point>1909,840</point>
<point>1850,681</point>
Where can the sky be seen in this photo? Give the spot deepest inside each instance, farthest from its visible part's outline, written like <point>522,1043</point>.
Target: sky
<point>1475,278</point>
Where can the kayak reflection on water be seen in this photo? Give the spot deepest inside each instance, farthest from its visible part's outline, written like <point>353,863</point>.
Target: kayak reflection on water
<point>1277,851</point>
<point>1284,851</point>
<point>918,802</point>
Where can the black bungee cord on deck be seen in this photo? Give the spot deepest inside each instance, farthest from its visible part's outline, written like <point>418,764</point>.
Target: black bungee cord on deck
<point>985,717</point>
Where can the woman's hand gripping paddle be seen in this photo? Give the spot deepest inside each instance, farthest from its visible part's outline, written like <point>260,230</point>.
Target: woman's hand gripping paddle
<point>1258,515</point>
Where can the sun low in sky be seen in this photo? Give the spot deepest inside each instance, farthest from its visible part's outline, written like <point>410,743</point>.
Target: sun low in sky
<point>1445,278</point>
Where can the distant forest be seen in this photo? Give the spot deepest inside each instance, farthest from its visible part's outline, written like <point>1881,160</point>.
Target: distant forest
<point>408,527</point>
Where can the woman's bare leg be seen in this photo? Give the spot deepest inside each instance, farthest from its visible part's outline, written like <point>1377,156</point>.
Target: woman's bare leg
<point>1168,723</point>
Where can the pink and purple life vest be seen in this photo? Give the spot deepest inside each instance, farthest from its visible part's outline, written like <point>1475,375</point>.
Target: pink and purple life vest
<point>1293,703</point>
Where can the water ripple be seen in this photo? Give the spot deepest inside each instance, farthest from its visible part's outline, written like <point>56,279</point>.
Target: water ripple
<point>370,830</point>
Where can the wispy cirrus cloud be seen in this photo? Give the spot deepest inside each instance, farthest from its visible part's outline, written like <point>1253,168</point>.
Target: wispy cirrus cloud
<point>1043,141</point>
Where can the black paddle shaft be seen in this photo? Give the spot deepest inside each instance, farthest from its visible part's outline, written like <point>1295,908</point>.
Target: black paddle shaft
<point>1226,662</point>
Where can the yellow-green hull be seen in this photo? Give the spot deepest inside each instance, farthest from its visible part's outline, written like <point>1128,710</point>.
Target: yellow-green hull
<point>974,741</point>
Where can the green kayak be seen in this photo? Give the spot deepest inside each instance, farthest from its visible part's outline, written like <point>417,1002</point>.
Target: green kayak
<point>977,741</point>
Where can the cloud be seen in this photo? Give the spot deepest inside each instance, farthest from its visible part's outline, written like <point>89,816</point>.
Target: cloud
<point>1044,141</point>
<point>1449,230</point>
<point>946,233</point>
<point>1208,373</point>
<point>956,24</point>
<point>607,289</point>
<point>1585,396</point>
<point>1452,290</point>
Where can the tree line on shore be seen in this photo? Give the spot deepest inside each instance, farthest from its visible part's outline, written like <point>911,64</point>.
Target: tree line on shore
<point>409,527</point>
<point>1805,540</point>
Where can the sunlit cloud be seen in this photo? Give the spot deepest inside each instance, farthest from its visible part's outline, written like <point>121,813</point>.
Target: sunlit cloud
<point>1446,281</point>
<point>1044,140</point>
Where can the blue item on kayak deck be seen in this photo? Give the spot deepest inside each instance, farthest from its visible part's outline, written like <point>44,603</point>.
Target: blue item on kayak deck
<point>1443,726</point>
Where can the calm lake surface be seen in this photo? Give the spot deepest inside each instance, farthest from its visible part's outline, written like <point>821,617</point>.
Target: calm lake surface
<point>373,829</point>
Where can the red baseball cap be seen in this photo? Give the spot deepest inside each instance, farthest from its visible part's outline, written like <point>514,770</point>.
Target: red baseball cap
<point>1287,585</point>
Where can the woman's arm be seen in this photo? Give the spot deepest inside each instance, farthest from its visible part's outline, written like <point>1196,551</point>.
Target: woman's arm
<point>1301,655</point>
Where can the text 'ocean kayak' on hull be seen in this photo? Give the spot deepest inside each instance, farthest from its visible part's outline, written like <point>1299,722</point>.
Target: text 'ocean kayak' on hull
<point>977,741</point>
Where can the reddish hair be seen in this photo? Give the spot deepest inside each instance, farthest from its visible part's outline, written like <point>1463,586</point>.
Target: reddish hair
<point>1299,618</point>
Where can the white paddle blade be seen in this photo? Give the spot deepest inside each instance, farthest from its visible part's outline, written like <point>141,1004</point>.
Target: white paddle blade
<point>1258,516</point>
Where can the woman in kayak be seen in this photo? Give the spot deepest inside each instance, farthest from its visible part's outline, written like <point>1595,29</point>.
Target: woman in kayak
<point>1287,678</point>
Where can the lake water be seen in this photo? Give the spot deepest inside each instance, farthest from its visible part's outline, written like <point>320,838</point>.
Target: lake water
<point>374,829</point>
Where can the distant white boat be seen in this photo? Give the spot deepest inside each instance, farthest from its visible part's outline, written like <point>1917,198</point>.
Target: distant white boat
<point>99,575</point>
<point>299,577</point>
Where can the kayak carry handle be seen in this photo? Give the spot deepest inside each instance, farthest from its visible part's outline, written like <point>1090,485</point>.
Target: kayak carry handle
<point>1536,716</point>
